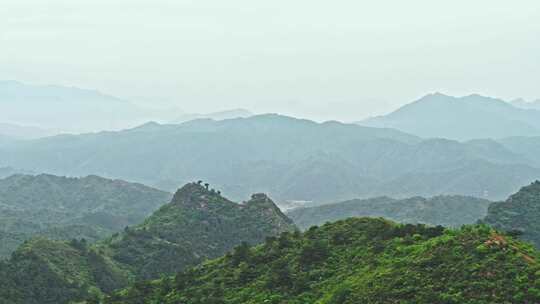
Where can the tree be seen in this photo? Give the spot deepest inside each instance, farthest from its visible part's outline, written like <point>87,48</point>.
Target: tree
<point>279,275</point>
<point>244,273</point>
<point>240,254</point>
<point>312,252</point>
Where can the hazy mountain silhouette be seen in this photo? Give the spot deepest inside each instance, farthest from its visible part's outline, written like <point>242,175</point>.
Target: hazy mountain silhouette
<point>522,103</point>
<point>228,114</point>
<point>23,132</point>
<point>291,159</point>
<point>463,118</point>
<point>64,108</point>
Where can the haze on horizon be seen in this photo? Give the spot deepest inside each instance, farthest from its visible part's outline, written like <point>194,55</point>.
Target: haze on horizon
<point>341,60</point>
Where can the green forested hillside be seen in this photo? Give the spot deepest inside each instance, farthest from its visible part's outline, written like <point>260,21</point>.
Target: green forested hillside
<point>520,214</point>
<point>196,225</point>
<point>64,208</point>
<point>359,260</point>
<point>43,271</point>
<point>452,211</point>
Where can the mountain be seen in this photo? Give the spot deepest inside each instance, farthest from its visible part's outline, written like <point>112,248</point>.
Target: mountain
<point>463,118</point>
<point>529,147</point>
<point>23,132</point>
<point>64,208</point>
<point>229,114</point>
<point>8,171</point>
<point>196,225</point>
<point>42,271</point>
<point>290,159</point>
<point>520,214</point>
<point>450,211</point>
<point>523,104</point>
<point>6,140</point>
<point>359,260</point>
<point>68,109</point>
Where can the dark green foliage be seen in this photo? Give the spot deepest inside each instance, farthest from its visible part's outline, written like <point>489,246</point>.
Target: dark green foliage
<point>43,271</point>
<point>64,208</point>
<point>313,251</point>
<point>240,254</point>
<point>197,224</point>
<point>519,215</point>
<point>450,211</point>
<point>379,262</point>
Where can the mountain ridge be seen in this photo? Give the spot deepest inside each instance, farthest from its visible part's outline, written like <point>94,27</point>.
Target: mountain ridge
<point>446,210</point>
<point>288,158</point>
<point>60,207</point>
<point>461,118</point>
<point>197,224</point>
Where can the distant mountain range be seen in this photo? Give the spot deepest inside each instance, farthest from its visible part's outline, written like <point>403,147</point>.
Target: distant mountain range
<point>291,159</point>
<point>8,171</point>
<point>33,111</point>
<point>229,114</point>
<point>521,103</point>
<point>14,131</point>
<point>449,211</point>
<point>64,208</point>
<point>463,118</point>
<point>64,108</point>
<point>197,224</point>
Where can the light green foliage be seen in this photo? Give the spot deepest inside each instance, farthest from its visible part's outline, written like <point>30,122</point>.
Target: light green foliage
<point>373,261</point>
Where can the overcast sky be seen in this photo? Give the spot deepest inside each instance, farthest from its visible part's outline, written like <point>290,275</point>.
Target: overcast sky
<point>318,59</point>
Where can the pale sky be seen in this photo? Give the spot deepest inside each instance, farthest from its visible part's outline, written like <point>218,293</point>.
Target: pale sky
<point>336,59</point>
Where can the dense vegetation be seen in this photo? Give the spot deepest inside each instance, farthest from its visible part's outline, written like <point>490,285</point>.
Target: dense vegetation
<point>358,260</point>
<point>42,271</point>
<point>64,208</point>
<point>290,159</point>
<point>450,211</point>
<point>197,224</point>
<point>520,214</point>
